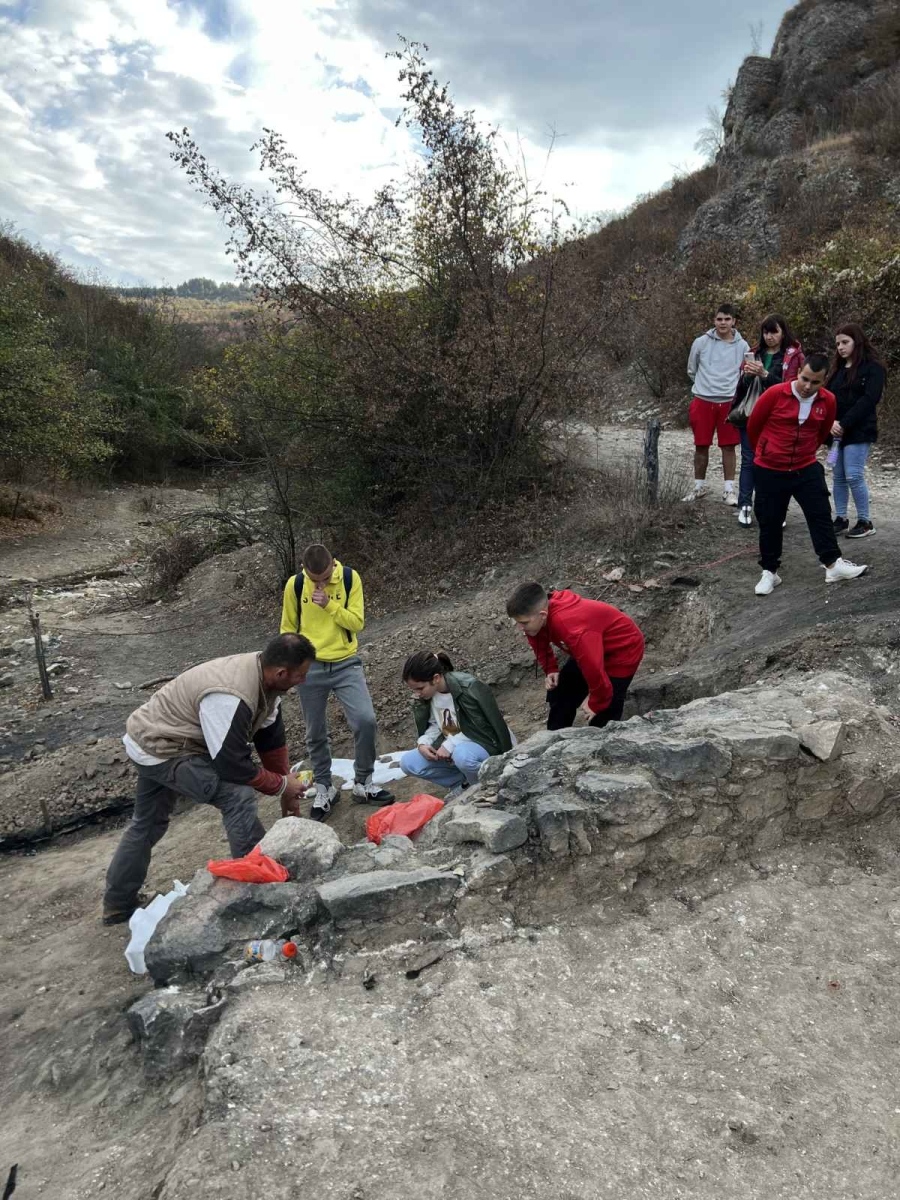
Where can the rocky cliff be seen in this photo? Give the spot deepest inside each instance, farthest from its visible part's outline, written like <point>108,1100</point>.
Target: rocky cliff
<point>792,147</point>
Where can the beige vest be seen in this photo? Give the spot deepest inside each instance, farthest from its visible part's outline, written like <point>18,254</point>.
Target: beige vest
<point>168,725</point>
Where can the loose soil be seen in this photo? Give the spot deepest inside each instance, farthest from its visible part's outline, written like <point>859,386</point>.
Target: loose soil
<point>71,1072</point>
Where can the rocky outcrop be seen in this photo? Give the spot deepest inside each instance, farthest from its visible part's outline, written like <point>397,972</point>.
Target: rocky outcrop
<point>827,58</point>
<point>568,814</point>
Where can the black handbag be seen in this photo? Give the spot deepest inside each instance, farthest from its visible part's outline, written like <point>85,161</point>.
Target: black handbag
<point>740,413</point>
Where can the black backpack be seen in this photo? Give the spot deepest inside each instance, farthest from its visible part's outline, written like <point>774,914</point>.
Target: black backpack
<point>300,579</point>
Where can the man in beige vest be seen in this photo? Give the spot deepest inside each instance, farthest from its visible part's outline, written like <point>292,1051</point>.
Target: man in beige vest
<point>193,738</point>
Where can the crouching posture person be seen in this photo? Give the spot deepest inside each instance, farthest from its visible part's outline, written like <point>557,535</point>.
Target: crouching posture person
<point>604,645</point>
<point>457,719</point>
<point>193,738</point>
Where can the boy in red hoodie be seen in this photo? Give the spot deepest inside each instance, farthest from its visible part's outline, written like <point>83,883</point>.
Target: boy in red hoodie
<point>786,427</point>
<point>605,649</point>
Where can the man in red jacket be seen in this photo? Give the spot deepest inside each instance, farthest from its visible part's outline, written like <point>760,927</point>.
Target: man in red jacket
<point>788,424</point>
<point>605,649</point>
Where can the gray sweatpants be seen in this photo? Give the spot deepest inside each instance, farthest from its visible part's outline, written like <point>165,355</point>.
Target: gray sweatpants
<point>158,787</point>
<point>347,680</point>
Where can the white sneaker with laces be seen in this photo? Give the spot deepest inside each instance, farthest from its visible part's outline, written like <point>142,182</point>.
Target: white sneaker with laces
<point>843,569</point>
<point>695,494</point>
<point>768,582</point>
<point>730,497</point>
<point>371,793</point>
<point>323,801</point>
<point>745,515</point>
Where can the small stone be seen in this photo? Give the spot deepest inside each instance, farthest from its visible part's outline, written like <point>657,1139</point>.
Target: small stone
<point>7,681</point>
<point>123,687</point>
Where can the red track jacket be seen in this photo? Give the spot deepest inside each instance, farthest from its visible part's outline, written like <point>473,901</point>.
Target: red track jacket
<point>602,640</point>
<point>779,441</point>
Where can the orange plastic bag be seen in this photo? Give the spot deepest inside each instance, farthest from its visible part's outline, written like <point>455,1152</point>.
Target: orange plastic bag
<point>403,819</point>
<point>254,867</point>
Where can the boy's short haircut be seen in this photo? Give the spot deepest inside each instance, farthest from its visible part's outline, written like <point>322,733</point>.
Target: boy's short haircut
<point>727,310</point>
<point>528,598</point>
<point>317,558</point>
<point>818,362</point>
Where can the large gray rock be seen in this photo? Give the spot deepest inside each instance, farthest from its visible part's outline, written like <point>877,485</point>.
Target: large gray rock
<point>171,1027</point>
<point>217,916</point>
<point>306,848</point>
<point>823,739</point>
<point>498,831</point>
<point>387,895</point>
<point>669,757</point>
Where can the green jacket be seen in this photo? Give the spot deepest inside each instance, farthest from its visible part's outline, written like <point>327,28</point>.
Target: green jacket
<point>476,710</point>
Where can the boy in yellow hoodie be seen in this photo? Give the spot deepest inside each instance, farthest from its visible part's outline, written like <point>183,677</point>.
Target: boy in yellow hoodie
<point>325,601</point>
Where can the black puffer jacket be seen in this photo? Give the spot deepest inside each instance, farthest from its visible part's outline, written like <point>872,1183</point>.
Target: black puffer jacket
<point>857,401</point>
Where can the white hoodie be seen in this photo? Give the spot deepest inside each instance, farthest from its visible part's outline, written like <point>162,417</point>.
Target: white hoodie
<point>714,365</point>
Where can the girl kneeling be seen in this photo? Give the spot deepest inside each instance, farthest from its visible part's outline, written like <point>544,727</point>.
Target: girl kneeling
<point>457,719</point>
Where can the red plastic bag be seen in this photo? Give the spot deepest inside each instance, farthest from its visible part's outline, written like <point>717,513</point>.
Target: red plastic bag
<point>254,867</point>
<point>403,819</point>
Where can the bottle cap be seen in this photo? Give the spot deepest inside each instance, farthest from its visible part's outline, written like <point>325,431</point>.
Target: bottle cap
<point>289,950</point>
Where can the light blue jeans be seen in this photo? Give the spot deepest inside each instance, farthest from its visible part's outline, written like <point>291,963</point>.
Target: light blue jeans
<point>850,476</point>
<point>460,768</point>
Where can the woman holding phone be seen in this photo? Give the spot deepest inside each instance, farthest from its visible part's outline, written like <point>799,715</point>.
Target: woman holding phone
<point>776,358</point>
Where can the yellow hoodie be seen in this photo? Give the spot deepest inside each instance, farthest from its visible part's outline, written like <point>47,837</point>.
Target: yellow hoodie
<point>332,629</point>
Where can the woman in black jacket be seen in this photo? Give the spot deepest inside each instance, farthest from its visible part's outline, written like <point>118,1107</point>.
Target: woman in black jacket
<point>777,358</point>
<point>857,379</point>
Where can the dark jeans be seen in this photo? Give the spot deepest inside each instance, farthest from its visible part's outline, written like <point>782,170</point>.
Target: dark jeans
<point>774,492</point>
<point>745,481</point>
<point>572,690</point>
<point>157,790</point>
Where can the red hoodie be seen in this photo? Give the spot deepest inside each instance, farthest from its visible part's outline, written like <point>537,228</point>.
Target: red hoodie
<point>779,441</point>
<point>602,640</point>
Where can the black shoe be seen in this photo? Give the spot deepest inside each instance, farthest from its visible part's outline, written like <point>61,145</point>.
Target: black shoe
<point>841,524</point>
<point>862,529</point>
<point>324,802</point>
<point>118,916</point>
<point>368,793</point>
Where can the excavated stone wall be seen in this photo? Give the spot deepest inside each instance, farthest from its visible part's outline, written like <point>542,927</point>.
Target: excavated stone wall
<point>566,817</point>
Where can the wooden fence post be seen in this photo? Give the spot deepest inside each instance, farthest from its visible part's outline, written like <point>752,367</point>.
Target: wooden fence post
<point>35,621</point>
<point>651,459</point>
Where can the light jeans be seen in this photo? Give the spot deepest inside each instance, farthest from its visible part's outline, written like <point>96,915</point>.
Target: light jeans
<point>850,476</point>
<point>461,768</point>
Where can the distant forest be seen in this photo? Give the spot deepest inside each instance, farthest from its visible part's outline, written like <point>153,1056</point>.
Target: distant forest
<point>197,289</point>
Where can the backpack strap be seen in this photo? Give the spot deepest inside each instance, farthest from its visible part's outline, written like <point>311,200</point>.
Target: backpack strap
<point>300,580</point>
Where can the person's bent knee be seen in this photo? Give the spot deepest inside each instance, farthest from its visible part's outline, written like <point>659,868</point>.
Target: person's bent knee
<point>411,762</point>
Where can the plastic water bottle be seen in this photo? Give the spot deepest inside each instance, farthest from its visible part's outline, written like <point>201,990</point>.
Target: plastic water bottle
<point>268,950</point>
<point>833,452</point>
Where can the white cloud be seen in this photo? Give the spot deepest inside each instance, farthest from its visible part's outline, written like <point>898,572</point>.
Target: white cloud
<point>89,88</point>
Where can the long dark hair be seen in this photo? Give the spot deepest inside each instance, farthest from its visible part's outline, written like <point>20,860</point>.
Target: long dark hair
<point>863,351</point>
<point>423,667</point>
<point>772,322</point>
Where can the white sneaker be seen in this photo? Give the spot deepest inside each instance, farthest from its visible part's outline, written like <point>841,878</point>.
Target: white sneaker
<point>768,582</point>
<point>696,493</point>
<point>843,569</point>
<point>745,515</point>
<point>323,801</point>
<point>371,793</point>
<point>730,497</point>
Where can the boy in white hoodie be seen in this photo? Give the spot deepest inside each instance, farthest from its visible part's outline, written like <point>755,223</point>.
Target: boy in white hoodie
<point>714,367</point>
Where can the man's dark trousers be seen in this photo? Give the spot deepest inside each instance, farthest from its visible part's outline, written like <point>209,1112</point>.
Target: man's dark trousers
<point>158,788</point>
<point>572,690</point>
<point>774,492</point>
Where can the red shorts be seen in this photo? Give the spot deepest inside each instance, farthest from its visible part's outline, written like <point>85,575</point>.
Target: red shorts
<point>708,419</point>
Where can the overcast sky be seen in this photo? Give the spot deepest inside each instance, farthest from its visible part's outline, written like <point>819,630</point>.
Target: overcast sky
<point>89,88</point>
